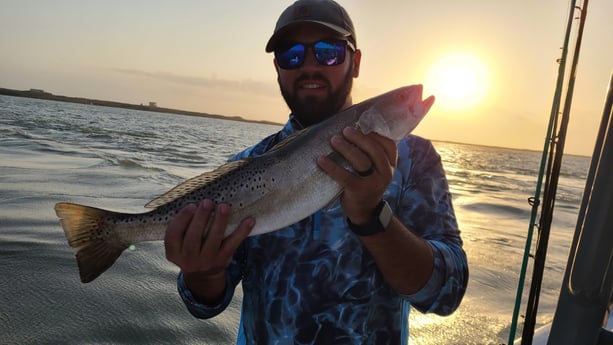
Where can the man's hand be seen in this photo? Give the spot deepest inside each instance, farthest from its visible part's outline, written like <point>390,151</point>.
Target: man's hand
<point>374,158</point>
<point>195,242</point>
<point>398,245</point>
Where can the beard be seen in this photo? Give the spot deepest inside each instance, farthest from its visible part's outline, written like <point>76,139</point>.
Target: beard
<point>310,110</point>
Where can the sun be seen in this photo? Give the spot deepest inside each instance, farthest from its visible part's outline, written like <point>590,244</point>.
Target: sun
<point>458,80</point>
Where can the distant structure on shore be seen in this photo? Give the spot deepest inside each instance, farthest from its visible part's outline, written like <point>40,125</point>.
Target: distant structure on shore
<point>152,105</point>
<point>39,91</point>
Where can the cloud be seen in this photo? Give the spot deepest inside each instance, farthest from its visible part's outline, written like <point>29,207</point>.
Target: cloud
<point>247,85</point>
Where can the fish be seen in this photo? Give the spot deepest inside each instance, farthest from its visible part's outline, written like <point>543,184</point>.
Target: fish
<point>278,188</point>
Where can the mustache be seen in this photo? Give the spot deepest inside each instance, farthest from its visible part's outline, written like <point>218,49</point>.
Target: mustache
<point>311,77</point>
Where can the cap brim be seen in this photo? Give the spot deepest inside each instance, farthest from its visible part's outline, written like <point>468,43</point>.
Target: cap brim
<point>274,39</point>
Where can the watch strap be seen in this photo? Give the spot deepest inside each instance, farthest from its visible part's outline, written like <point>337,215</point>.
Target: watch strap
<point>380,220</point>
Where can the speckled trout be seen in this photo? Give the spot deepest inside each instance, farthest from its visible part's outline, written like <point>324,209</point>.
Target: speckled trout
<point>279,188</point>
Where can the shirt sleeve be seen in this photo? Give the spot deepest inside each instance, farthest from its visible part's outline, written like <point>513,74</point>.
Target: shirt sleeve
<point>425,207</point>
<point>200,309</point>
<point>234,274</point>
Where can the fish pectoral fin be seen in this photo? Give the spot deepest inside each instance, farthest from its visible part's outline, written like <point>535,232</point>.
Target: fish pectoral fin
<point>194,183</point>
<point>336,158</point>
<point>340,160</point>
<point>332,202</point>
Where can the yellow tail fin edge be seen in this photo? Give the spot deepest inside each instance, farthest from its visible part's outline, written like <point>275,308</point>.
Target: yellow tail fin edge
<point>88,229</point>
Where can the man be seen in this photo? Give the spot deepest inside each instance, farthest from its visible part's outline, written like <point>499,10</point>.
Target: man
<point>347,274</point>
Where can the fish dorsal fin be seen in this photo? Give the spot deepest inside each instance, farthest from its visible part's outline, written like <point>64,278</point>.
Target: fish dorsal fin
<point>289,139</point>
<point>194,183</point>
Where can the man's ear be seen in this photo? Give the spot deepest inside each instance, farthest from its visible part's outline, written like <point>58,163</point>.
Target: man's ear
<point>357,57</point>
<point>274,62</point>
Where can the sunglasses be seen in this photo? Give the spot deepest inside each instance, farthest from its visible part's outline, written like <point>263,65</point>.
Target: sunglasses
<point>327,53</point>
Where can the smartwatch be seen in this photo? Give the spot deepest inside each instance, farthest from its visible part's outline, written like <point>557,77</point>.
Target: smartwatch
<point>378,223</point>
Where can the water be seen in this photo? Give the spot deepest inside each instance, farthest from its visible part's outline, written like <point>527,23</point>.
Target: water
<point>120,159</point>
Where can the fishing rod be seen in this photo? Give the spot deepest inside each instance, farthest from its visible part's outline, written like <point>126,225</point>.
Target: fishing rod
<point>535,201</point>
<point>551,161</point>
<point>550,192</point>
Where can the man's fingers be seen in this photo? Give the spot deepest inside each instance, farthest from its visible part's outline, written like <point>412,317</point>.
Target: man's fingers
<point>173,239</point>
<point>389,146</point>
<point>196,230</point>
<point>335,171</point>
<point>231,243</point>
<point>215,235</point>
<point>381,151</point>
<point>195,237</point>
<point>354,154</point>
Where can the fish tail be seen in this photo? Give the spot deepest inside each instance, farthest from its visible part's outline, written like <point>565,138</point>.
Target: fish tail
<point>88,229</point>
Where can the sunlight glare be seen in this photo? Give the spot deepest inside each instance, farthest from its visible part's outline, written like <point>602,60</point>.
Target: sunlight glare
<point>459,81</point>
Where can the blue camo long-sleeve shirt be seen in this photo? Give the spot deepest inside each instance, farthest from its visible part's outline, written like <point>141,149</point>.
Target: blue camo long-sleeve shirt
<point>314,282</point>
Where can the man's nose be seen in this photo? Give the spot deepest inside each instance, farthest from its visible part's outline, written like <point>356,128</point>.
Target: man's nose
<point>310,63</point>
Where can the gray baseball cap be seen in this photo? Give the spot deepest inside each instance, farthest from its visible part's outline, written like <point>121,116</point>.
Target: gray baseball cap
<point>327,13</point>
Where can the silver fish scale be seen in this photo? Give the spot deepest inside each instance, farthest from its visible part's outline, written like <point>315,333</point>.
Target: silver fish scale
<point>248,182</point>
<point>237,187</point>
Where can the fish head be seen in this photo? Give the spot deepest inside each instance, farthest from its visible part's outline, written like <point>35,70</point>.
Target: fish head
<point>396,113</point>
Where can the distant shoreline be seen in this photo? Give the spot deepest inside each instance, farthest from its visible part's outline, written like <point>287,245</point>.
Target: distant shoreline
<point>41,94</point>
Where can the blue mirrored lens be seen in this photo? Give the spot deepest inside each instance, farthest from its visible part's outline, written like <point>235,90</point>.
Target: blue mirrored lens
<point>293,57</point>
<point>329,54</point>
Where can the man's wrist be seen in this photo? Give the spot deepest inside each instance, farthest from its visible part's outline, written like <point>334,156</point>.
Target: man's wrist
<point>378,221</point>
<point>199,308</point>
<point>365,217</point>
<point>207,288</point>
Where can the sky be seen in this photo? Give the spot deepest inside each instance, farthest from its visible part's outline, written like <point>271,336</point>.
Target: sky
<point>490,63</point>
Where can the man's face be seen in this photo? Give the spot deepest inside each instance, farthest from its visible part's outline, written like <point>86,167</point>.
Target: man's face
<point>314,92</point>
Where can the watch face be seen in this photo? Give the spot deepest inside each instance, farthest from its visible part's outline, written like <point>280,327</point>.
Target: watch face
<point>385,216</point>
